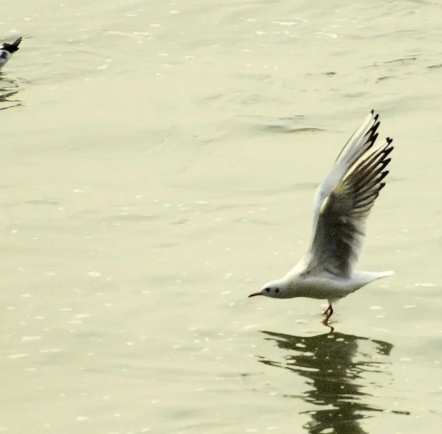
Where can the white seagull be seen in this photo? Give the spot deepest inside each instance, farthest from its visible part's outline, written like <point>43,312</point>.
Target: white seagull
<point>342,204</point>
<point>7,50</point>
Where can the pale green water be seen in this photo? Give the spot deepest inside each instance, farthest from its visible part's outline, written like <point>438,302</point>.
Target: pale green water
<point>158,164</point>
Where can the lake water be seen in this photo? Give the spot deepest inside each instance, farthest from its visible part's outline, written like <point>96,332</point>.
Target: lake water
<point>158,164</point>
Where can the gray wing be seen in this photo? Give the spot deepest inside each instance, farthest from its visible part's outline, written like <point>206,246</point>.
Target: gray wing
<point>342,215</point>
<point>7,50</point>
<point>358,144</point>
<point>11,48</point>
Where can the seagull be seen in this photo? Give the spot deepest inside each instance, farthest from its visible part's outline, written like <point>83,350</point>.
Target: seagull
<point>7,50</point>
<point>341,208</point>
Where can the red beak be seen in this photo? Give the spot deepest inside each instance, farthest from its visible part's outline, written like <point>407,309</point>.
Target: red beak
<point>254,294</point>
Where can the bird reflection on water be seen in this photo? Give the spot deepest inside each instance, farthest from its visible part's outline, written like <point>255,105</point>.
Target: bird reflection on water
<point>8,88</point>
<point>336,369</point>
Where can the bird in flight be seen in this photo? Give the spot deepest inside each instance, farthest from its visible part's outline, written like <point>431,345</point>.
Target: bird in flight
<point>7,50</point>
<point>342,205</point>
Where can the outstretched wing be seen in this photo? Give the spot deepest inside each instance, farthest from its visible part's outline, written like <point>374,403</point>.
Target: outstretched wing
<point>345,198</point>
<point>7,50</point>
<point>11,48</point>
<point>359,143</point>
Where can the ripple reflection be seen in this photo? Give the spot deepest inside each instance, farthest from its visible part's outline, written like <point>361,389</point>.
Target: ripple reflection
<point>9,88</point>
<point>336,366</point>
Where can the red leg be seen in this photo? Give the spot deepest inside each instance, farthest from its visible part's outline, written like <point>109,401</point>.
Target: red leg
<point>327,310</point>
<point>329,314</point>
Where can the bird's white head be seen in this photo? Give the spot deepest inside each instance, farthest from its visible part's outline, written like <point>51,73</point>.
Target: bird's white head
<point>275,289</point>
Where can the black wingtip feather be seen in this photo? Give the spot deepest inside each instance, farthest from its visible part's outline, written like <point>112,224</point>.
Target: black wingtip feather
<point>374,114</point>
<point>387,151</point>
<point>372,134</point>
<point>384,174</point>
<point>373,137</point>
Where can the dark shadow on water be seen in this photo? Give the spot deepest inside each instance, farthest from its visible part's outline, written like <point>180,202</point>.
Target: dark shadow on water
<point>9,89</point>
<point>336,368</point>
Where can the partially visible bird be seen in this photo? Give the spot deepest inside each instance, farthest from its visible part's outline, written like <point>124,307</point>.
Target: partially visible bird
<point>7,50</point>
<point>342,204</point>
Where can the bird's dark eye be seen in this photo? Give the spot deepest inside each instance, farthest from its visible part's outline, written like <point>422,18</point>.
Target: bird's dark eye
<point>277,290</point>
<point>267,290</point>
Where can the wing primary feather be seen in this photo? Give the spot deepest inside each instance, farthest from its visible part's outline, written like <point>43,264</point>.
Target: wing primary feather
<point>346,198</point>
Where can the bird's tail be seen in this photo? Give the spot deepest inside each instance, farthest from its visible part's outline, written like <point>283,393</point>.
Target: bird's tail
<point>370,276</point>
<point>382,274</point>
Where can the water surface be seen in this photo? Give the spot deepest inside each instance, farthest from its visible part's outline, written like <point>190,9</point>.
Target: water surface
<point>158,164</point>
